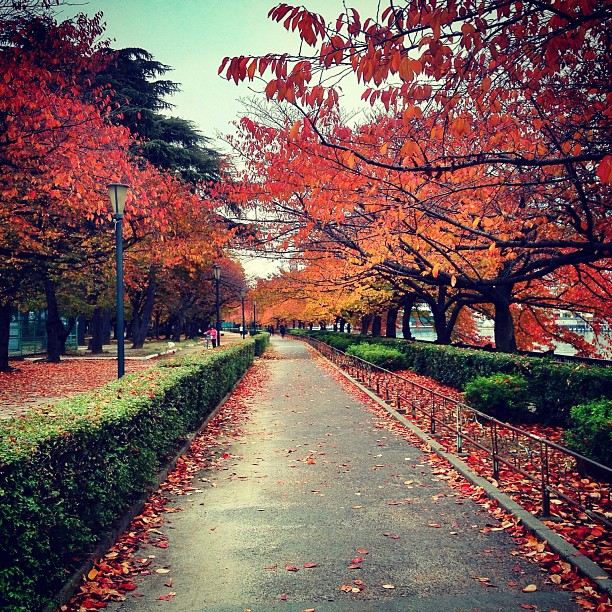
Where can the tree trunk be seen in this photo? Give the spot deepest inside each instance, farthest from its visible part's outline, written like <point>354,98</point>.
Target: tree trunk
<point>178,326</point>
<point>144,320</point>
<point>5,331</point>
<point>391,323</point>
<point>505,339</point>
<point>376,326</point>
<point>106,327</point>
<point>342,323</point>
<point>96,344</point>
<point>53,324</point>
<point>67,331</point>
<point>81,329</point>
<point>408,306</point>
<point>365,324</point>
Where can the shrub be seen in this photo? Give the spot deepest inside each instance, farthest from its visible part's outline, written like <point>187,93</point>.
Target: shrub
<point>262,340</point>
<point>382,356</point>
<point>67,475</point>
<point>503,396</point>
<point>590,431</point>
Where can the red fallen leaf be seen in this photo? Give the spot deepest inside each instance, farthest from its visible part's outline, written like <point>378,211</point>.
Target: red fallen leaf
<point>391,536</point>
<point>292,568</point>
<point>169,583</point>
<point>357,560</point>
<point>271,567</point>
<point>162,544</point>
<point>167,597</point>
<point>284,596</point>
<point>127,586</point>
<point>354,566</point>
<point>362,551</point>
<point>528,607</point>
<point>309,565</point>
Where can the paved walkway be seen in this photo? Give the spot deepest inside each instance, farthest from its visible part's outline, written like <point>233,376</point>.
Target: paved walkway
<point>316,482</point>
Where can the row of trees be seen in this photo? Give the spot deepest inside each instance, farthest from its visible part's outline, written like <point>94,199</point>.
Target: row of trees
<point>76,115</point>
<point>478,181</point>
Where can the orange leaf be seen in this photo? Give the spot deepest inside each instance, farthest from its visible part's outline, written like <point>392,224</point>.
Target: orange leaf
<point>604,171</point>
<point>295,130</point>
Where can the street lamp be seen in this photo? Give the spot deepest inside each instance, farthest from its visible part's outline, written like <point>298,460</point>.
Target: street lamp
<point>254,316</point>
<point>117,193</point>
<point>242,294</point>
<point>217,276</point>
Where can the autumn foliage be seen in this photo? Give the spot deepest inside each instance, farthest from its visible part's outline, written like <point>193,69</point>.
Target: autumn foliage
<point>482,167</point>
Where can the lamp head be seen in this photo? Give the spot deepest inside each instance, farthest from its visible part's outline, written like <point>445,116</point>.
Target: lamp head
<point>216,271</point>
<point>117,193</point>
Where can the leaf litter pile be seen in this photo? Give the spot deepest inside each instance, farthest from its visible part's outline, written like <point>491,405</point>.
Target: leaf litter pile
<point>590,539</point>
<point>34,384</point>
<point>113,576</point>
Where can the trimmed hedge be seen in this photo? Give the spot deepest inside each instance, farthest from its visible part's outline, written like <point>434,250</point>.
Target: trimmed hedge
<point>262,340</point>
<point>68,473</point>
<point>382,356</point>
<point>503,396</point>
<point>590,431</point>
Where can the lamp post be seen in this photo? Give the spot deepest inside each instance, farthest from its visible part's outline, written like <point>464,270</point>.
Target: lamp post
<point>117,193</point>
<point>254,316</point>
<point>217,276</point>
<point>242,294</point>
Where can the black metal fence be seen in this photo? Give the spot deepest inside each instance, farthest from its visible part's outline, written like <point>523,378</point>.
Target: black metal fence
<point>516,458</point>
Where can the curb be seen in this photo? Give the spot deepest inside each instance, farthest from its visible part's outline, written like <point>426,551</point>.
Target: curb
<point>556,543</point>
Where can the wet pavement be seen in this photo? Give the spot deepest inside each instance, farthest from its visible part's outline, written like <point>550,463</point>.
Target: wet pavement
<point>315,486</point>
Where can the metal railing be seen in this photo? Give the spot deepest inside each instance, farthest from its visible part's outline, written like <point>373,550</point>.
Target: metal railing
<point>515,455</point>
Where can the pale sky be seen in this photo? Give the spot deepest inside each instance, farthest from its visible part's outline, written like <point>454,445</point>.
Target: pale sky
<point>193,37</point>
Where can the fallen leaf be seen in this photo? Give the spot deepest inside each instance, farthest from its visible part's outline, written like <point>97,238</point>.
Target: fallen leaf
<point>530,588</point>
<point>292,568</point>
<point>309,565</point>
<point>162,570</point>
<point>388,586</point>
<point>167,597</point>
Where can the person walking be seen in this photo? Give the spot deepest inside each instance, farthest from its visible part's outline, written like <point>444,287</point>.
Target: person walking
<point>282,329</point>
<point>212,334</point>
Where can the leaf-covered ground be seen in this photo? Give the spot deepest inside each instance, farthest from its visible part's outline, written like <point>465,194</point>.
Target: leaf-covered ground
<point>37,383</point>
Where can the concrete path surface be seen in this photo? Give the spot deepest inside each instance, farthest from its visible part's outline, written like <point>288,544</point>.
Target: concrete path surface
<point>315,481</point>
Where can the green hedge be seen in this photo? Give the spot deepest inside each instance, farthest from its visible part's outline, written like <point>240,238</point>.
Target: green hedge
<point>262,340</point>
<point>552,388</point>
<point>382,356</point>
<point>68,474</point>
<point>503,396</point>
<point>590,431</point>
